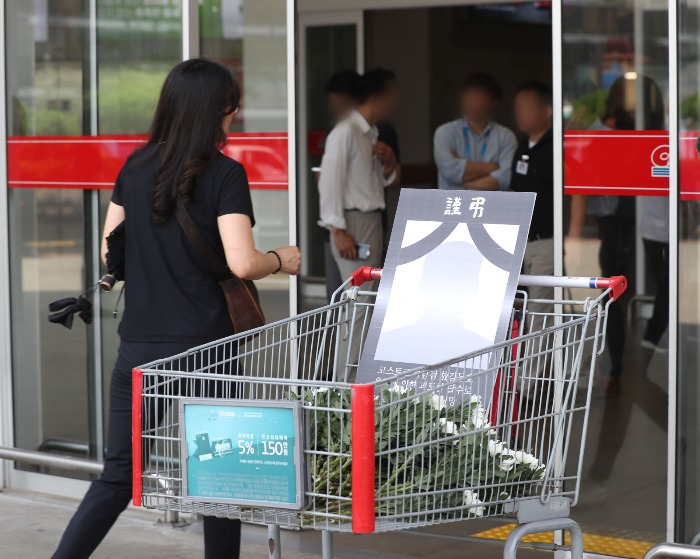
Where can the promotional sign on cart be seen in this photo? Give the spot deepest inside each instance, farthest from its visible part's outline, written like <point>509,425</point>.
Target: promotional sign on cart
<point>447,287</point>
<point>242,452</point>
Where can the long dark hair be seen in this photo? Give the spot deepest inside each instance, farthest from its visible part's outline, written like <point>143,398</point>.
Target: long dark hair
<point>622,104</point>
<point>186,130</point>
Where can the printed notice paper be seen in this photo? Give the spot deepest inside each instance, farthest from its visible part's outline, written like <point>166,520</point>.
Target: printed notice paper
<point>448,283</point>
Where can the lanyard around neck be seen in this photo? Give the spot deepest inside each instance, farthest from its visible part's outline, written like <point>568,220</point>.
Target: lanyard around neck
<point>468,147</point>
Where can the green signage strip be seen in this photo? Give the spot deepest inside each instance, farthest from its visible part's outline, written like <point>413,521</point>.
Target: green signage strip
<point>243,452</point>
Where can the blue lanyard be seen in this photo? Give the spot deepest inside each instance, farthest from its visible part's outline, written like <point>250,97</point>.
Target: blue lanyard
<point>468,147</point>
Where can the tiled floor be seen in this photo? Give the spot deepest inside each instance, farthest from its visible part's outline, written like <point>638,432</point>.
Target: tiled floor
<point>31,525</point>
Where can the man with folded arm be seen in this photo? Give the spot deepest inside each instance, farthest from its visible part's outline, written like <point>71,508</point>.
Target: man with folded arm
<point>473,152</point>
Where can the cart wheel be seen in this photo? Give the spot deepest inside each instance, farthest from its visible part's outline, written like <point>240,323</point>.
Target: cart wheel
<point>542,526</point>
<point>273,541</point>
<point>327,544</point>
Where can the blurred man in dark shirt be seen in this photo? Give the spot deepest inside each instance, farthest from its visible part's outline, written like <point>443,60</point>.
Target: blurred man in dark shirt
<point>533,171</point>
<point>342,92</point>
<point>340,89</point>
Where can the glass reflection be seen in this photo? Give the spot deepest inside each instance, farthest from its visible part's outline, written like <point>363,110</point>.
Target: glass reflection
<point>250,37</point>
<point>137,45</point>
<point>688,449</point>
<point>616,83</point>
<point>45,90</point>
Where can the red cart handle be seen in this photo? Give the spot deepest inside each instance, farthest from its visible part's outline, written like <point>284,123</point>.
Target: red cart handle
<point>616,284</point>
<point>364,274</point>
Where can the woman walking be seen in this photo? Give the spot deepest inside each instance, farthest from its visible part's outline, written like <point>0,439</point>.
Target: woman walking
<point>174,302</point>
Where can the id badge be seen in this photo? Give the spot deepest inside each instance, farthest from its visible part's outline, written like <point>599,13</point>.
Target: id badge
<point>521,167</point>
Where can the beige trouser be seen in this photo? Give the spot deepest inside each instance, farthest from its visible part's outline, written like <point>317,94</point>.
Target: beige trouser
<point>538,261</point>
<point>365,227</point>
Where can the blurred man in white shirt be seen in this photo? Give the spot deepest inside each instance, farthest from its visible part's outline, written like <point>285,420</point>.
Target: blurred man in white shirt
<point>355,169</point>
<point>342,92</point>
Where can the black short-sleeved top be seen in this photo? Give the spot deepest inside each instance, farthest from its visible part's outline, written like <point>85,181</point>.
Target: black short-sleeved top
<point>171,296</point>
<point>538,177</point>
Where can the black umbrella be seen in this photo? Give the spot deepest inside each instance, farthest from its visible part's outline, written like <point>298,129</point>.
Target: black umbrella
<point>63,310</point>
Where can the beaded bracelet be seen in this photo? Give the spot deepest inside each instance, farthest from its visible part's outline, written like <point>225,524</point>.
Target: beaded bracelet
<point>279,259</point>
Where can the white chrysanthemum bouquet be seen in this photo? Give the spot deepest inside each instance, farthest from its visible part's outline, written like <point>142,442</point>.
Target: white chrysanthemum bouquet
<point>430,457</point>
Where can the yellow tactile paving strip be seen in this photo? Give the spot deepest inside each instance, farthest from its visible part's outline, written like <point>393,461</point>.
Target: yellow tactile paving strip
<point>602,545</point>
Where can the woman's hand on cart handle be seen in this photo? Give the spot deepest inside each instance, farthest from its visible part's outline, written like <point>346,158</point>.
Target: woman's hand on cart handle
<point>364,274</point>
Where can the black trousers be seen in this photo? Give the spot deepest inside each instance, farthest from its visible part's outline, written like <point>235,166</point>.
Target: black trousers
<point>109,495</point>
<point>616,234</point>
<point>657,262</point>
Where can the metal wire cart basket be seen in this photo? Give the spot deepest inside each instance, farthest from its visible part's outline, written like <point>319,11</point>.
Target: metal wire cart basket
<point>267,426</point>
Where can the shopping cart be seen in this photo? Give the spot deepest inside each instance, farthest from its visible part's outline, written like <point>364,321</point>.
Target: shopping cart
<point>417,449</point>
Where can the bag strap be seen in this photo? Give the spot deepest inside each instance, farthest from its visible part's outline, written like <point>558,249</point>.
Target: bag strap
<point>213,261</point>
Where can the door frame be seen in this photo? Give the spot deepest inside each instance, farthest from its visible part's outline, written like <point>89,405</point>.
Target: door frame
<point>6,424</point>
<point>674,159</point>
<point>292,119</point>
<point>674,163</point>
<point>307,20</point>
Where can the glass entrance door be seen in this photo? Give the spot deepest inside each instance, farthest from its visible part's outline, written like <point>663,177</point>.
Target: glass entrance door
<point>82,82</point>
<point>67,83</point>
<point>687,510</point>
<point>615,78</point>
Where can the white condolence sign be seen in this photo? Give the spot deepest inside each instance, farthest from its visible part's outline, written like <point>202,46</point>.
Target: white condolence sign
<point>448,285</point>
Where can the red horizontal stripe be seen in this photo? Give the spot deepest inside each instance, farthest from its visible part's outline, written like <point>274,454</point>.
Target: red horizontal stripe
<point>621,163</point>
<point>93,162</point>
<point>615,162</point>
<point>689,167</point>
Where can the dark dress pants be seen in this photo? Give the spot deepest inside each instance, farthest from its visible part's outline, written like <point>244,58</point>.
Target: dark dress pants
<point>616,234</point>
<point>109,495</point>
<point>657,262</point>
